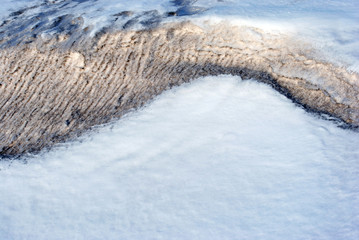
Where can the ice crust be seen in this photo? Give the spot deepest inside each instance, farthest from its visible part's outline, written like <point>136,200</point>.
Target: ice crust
<point>220,158</point>
<point>9,6</point>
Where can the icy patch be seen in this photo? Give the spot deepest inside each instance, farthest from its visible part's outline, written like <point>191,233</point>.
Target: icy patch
<point>10,6</point>
<point>220,158</point>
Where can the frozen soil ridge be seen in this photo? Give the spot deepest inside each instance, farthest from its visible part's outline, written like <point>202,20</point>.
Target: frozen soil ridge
<point>54,88</point>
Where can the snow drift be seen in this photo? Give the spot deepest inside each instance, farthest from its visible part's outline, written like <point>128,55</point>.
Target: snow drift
<point>218,158</point>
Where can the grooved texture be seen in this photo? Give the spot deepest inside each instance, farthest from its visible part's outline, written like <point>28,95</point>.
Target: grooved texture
<point>50,94</point>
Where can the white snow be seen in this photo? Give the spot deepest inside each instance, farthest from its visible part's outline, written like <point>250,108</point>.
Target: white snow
<point>9,6</point>
<point>331,26</point>
<point>220,158</point>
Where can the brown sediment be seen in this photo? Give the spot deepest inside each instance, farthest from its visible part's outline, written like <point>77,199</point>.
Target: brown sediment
<point>50,94</point>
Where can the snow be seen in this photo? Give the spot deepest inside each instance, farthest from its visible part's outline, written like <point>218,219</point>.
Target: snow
<point>220,158</point>
<point>331,26</point>
<point>9,6</point>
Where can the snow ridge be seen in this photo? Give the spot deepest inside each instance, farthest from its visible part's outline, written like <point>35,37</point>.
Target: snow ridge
<point>53,90</point>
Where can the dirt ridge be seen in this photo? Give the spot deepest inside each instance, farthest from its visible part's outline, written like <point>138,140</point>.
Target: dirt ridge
<point>50,94</point>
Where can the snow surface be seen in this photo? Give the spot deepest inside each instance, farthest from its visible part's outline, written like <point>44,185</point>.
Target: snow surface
<point>220,158</point>
<point>331,26</point>
<point>9,6</point>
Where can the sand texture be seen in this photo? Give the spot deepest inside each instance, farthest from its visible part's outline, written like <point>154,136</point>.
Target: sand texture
<point>53,90</point>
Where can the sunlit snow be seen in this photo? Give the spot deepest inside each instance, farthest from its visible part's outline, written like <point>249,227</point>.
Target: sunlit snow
<point>220,158</point>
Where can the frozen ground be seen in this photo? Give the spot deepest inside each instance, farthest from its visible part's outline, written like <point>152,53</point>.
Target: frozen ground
<point>220,158</point>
